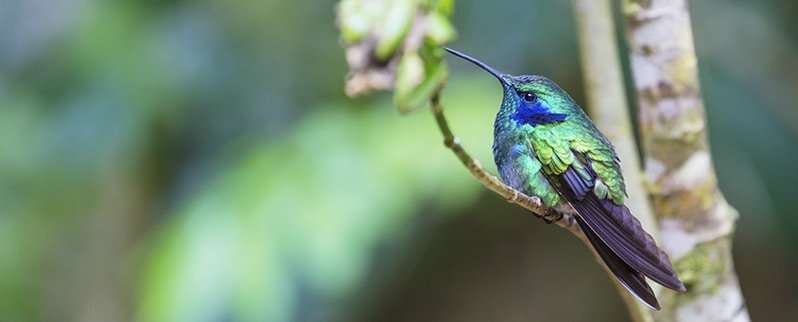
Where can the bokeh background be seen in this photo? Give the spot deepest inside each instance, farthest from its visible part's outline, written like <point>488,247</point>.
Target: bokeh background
<point>198,161</point>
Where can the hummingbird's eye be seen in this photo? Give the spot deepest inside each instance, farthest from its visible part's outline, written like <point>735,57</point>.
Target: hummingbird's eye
<point>530,97</point>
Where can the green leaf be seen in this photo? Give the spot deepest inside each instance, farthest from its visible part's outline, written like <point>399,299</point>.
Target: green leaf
<point>394,27</point>
<point>435,73</point>
<point>439,29</point>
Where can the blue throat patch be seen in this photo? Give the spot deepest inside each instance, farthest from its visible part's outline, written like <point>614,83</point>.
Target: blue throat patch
<point>534,114</point>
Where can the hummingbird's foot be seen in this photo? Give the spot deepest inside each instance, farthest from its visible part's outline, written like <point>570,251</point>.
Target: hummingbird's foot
<point>550,214</point>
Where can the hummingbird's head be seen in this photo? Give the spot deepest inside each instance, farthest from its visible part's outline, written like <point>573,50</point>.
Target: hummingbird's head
<point>528,99</point>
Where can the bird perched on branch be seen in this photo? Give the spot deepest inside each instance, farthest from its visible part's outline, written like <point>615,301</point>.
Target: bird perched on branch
<point>546,146</point>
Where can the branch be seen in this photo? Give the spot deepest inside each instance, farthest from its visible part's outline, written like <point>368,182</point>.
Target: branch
<point>696,222</point>
<point>560,214</point>
<point>607,102</point>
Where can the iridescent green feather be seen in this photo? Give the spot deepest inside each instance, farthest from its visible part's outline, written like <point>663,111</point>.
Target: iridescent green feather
<point>537,184</point>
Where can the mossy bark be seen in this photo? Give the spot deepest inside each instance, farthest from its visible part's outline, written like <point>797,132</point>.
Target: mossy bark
<point>695,221</point>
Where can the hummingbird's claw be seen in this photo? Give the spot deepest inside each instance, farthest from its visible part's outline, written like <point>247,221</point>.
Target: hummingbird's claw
<point>549,214</point>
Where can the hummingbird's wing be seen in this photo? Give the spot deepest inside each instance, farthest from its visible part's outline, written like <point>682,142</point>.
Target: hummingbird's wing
<point>632,280</point>
<point>615,227</point>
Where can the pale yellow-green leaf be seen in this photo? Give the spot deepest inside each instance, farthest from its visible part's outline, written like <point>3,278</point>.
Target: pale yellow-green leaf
<point>399,17</point>
<point>439,28</point>
<point>434,77</point>
<point>446,7</point>
<point>409,75</point>
<point>354,27</point>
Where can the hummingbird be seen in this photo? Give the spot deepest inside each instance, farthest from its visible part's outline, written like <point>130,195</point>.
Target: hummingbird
<point>546,146</point>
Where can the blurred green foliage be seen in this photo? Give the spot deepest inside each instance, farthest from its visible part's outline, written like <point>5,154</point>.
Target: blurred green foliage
<point>198,161</point>
<point>395,45</point>
<point>276,220</point>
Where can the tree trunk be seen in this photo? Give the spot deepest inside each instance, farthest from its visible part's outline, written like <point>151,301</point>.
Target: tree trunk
<point>695,221</point>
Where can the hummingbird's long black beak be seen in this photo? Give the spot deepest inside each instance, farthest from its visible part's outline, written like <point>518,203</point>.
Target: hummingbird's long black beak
<point>482,65</point>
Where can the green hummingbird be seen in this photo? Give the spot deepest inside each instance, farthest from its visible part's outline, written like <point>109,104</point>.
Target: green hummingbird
<point>546,146</point>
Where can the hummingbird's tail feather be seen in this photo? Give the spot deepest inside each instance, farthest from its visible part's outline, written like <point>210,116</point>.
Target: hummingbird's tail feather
<point>618,229</point>
<point>622,233</point>
<point>629,277</point>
